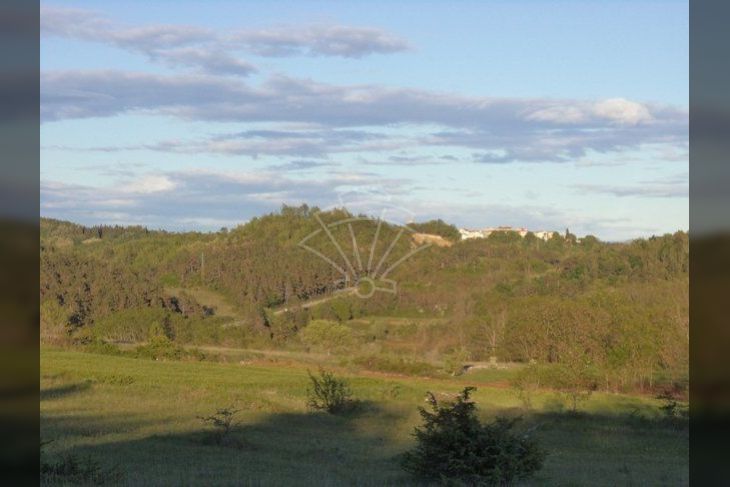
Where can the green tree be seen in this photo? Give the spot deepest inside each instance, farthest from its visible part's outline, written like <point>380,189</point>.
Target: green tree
<point>452,445</point>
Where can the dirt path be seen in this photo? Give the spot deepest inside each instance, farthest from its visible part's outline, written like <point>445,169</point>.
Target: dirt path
<point>264,352</point>
<point>223,308</point>
<point>315,302</point>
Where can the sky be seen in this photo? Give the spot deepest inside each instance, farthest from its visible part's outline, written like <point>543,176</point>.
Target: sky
<point>199,115</point>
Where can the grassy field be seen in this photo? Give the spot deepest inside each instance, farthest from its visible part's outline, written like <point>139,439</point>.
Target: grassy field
<point>141,415</point>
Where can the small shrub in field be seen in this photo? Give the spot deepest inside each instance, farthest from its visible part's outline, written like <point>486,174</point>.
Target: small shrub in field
<point>329,393</point>
<point>392,391</point>
<point>162,348</point>
<point>70,470</point>
<point>672,410</point>
<point>575,382</point>
<point>454,447</point>
<point>454,362</point>
<point>101,347</point>
<point>526,383</point>
<point>397,364</point>
<point>222,421</point>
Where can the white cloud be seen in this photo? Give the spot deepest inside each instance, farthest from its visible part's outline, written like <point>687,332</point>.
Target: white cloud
<point>213,52</point>
<point>623,111</point>
<point>527,129</point>
<point>676,187</point>
<point>558,114</point>
<point>189,199</point>
<point>149,184</point>
<point>320,40</point>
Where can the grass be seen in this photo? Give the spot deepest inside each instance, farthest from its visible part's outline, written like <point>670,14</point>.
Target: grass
<point>142,417</point>
<point>209,298</point>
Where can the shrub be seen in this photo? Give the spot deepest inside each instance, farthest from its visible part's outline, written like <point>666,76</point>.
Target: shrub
<point>326,335</point>
<point>453,446</point>
<point>329,393</point>
<point>454,362</point>
<point>162,348</point>
<point>101,347</point>
<point>341,309</point>
<point>673,412</point>
<point>159,348</point>
<point>396,364</point>
<point>526,383</point>
<point>222,421</point>
<point>575,382</point>
<point>69,469</point>
<point>128,325</point>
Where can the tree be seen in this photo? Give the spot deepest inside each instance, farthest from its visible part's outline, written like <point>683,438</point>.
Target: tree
<point>452,445</point>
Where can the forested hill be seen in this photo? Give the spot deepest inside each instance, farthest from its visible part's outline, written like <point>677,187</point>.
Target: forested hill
<point>624,305</point>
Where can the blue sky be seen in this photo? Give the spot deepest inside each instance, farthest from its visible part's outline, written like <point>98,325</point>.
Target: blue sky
<point>197,115</point>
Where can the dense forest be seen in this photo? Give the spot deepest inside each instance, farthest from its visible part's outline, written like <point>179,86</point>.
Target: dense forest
<point>610,315</point>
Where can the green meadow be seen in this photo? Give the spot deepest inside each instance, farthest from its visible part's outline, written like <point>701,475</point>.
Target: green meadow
<point>141,417</point>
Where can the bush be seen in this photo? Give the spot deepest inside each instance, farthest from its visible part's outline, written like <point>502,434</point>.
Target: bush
<point>454,362</point>
<point>673,412</point>
<point>326,335</point>
<point>574,381</point>
<point>101,347</point>
<point>396,364</point>
<point>526,383</point>
<point>70,470</point>
<point>453,446</point>
<point>222,421</point>
<point>128,325</point>
<point>162,348</point>
<point>329,393</point>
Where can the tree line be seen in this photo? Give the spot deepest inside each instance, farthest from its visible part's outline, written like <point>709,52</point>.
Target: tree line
<point>617,312</point>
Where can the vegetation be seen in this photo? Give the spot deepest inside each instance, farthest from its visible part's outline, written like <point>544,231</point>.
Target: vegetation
<point>222,422</point>
<point>69,469</point>
<point>142,416</point>
<point>577,324</point>
<point>672,408</point>
<point>452,445</point>
<point>326,335</point>
<point>437,227</point>
<point>162,348</point>
<point>616,314</point>
<point>329,393</point>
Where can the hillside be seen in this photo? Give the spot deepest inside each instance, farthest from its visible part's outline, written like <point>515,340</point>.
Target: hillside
<point>615,312</point>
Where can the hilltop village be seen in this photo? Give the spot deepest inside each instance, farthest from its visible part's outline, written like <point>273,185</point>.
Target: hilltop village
<point>486,232</point>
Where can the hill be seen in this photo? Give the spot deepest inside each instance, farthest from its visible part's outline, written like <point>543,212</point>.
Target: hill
<point>615,313</point>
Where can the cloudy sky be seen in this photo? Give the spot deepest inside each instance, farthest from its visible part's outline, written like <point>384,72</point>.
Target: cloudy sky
<point>198,115</point>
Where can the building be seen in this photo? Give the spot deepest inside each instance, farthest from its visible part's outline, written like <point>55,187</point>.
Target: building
<point>467,234</point>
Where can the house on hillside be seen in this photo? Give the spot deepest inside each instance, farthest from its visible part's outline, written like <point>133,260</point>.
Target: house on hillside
<point>467,234</point>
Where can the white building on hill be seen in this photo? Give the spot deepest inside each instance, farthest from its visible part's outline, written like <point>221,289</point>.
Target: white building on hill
<point>466,233</point>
